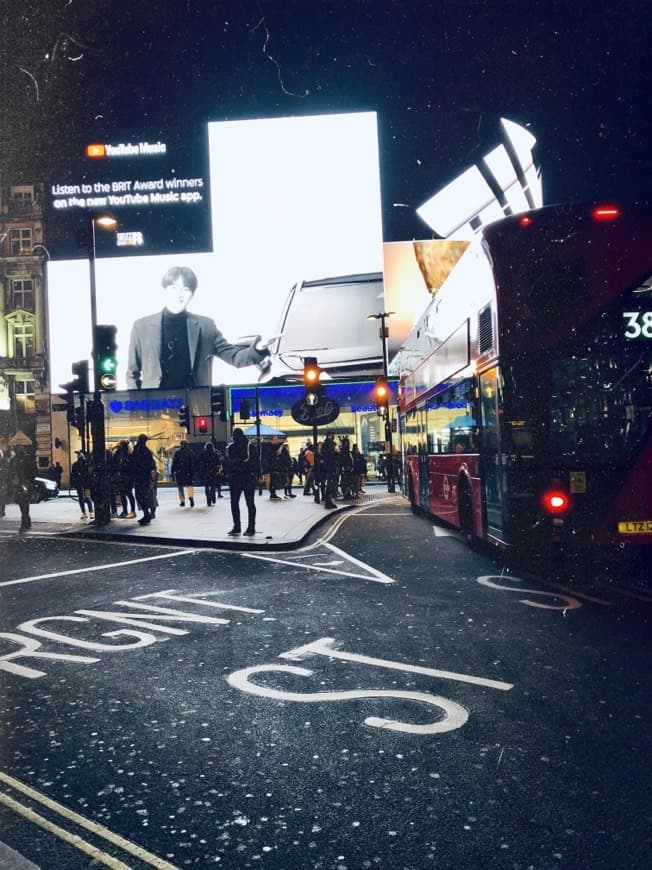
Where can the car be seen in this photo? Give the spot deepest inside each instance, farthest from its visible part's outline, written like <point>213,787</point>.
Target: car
<point>44,489</point>
<point>329,319</point>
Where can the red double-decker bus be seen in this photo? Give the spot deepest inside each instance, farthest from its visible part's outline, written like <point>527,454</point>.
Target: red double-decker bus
<point>525,403</point>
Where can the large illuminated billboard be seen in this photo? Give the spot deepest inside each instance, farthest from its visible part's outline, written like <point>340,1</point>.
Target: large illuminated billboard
<point>292,201</point>
<point>156,186</point>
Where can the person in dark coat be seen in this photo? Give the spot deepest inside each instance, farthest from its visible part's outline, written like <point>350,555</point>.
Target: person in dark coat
<point>242,468</point>
<point>330,469</point>
<point>347,482</point>
<point>277,470</point>
<point>144,473</point>
<point>286,470</point>
<point>183,470</point>
<point>359,469</point>
<point>81,480</point>
<point>211,461</point>
<point>22,471</point>
<point>124,480</point>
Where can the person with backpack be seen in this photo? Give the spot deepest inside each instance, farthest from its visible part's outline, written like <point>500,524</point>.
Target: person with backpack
<point>242,468</point>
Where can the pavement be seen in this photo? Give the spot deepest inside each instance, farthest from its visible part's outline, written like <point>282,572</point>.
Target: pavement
<point>280,525</point>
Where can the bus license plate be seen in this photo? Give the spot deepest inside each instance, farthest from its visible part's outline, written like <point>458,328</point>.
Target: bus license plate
<point>635,527</point>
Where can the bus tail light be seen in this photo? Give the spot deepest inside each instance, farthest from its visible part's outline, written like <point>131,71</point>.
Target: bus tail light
<point>605,213</point>
<point>555,500</point>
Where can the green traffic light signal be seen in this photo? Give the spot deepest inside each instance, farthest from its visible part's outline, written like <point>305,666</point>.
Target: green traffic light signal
<point>106,349</point>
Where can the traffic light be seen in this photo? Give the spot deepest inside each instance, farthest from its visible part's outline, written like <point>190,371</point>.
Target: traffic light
<point>311,376</point>
<point>80,376</point>
<point>78,419</point>
<point>184,417</point>
<point>107,351</point>
<point>245,409</point>
<point>218,402</point>
<point>201,425</point>
<point>69,399</point>
<point>381,396</point>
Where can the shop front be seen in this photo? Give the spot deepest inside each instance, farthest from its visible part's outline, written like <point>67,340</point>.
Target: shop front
<point>156,413</point>
<point>358,419</point>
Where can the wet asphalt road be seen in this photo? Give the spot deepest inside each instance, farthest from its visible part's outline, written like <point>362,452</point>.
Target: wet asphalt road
<point>490,720</point>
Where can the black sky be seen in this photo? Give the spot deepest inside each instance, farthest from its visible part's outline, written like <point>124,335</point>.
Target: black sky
<point>439,74</point>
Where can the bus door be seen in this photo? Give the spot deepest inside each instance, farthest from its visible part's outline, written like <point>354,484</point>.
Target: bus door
<point>491,461</point>
<point>423,496</point>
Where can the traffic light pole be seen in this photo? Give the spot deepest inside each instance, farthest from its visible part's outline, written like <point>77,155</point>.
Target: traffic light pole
<point>384,334</point>
<point>102,497</point>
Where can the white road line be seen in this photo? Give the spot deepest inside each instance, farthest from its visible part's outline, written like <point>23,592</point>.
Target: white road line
<point>338,520</point>
<point>373,574</point>
<point>576,593</point>
<point>382,578</point>
<point>93,827</point>
<point>92,568</point>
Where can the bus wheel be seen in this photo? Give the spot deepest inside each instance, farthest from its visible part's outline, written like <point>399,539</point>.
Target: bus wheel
<point>465,509</point>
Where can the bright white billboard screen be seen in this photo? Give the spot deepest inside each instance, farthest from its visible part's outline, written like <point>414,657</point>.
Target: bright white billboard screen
<point>292,199</point>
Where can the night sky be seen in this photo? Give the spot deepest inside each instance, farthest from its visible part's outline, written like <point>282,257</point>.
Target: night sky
<point>439,74</point>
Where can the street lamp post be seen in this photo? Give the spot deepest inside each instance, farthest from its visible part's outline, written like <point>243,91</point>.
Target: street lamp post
<point>389,449</point>
<point>98,433</point>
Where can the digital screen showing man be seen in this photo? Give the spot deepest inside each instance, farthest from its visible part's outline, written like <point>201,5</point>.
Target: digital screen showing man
<point>174,348</point>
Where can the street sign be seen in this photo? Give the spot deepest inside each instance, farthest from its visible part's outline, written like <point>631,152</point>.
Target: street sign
<point>325,411</point>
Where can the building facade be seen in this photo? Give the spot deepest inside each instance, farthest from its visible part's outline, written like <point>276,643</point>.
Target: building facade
<point>24,393</point>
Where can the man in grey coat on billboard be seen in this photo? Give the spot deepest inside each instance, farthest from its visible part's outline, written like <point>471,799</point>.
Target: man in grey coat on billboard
<point>174,348</point>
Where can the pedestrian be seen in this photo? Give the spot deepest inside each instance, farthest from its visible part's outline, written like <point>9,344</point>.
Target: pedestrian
<point>124,480</point>
<point>275,469</point>
<point>330,470</point>
<point>219,480</point>
<point>144,473</point>
<point>183,470</point>
<point>210,466</point>
<point>4,482</point>
<point>318,476</point>
<point>309,468</point>
<point>347,483</point>
<point>301,465</point>
<point>286,471</point>
<point>242,468</point>
<point>80,478</point>
<point>22,471</point>
<point>112,482</point>
<point>359,469</point>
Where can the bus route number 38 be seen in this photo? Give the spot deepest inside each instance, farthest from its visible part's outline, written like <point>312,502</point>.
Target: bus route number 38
<point>638,324</point>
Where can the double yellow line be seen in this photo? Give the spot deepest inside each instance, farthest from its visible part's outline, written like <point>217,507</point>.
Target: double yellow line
<point>74,839</point>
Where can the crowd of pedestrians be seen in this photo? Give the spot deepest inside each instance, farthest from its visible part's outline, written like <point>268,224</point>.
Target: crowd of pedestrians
<point>333,470</point>
<point>325,471</point>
